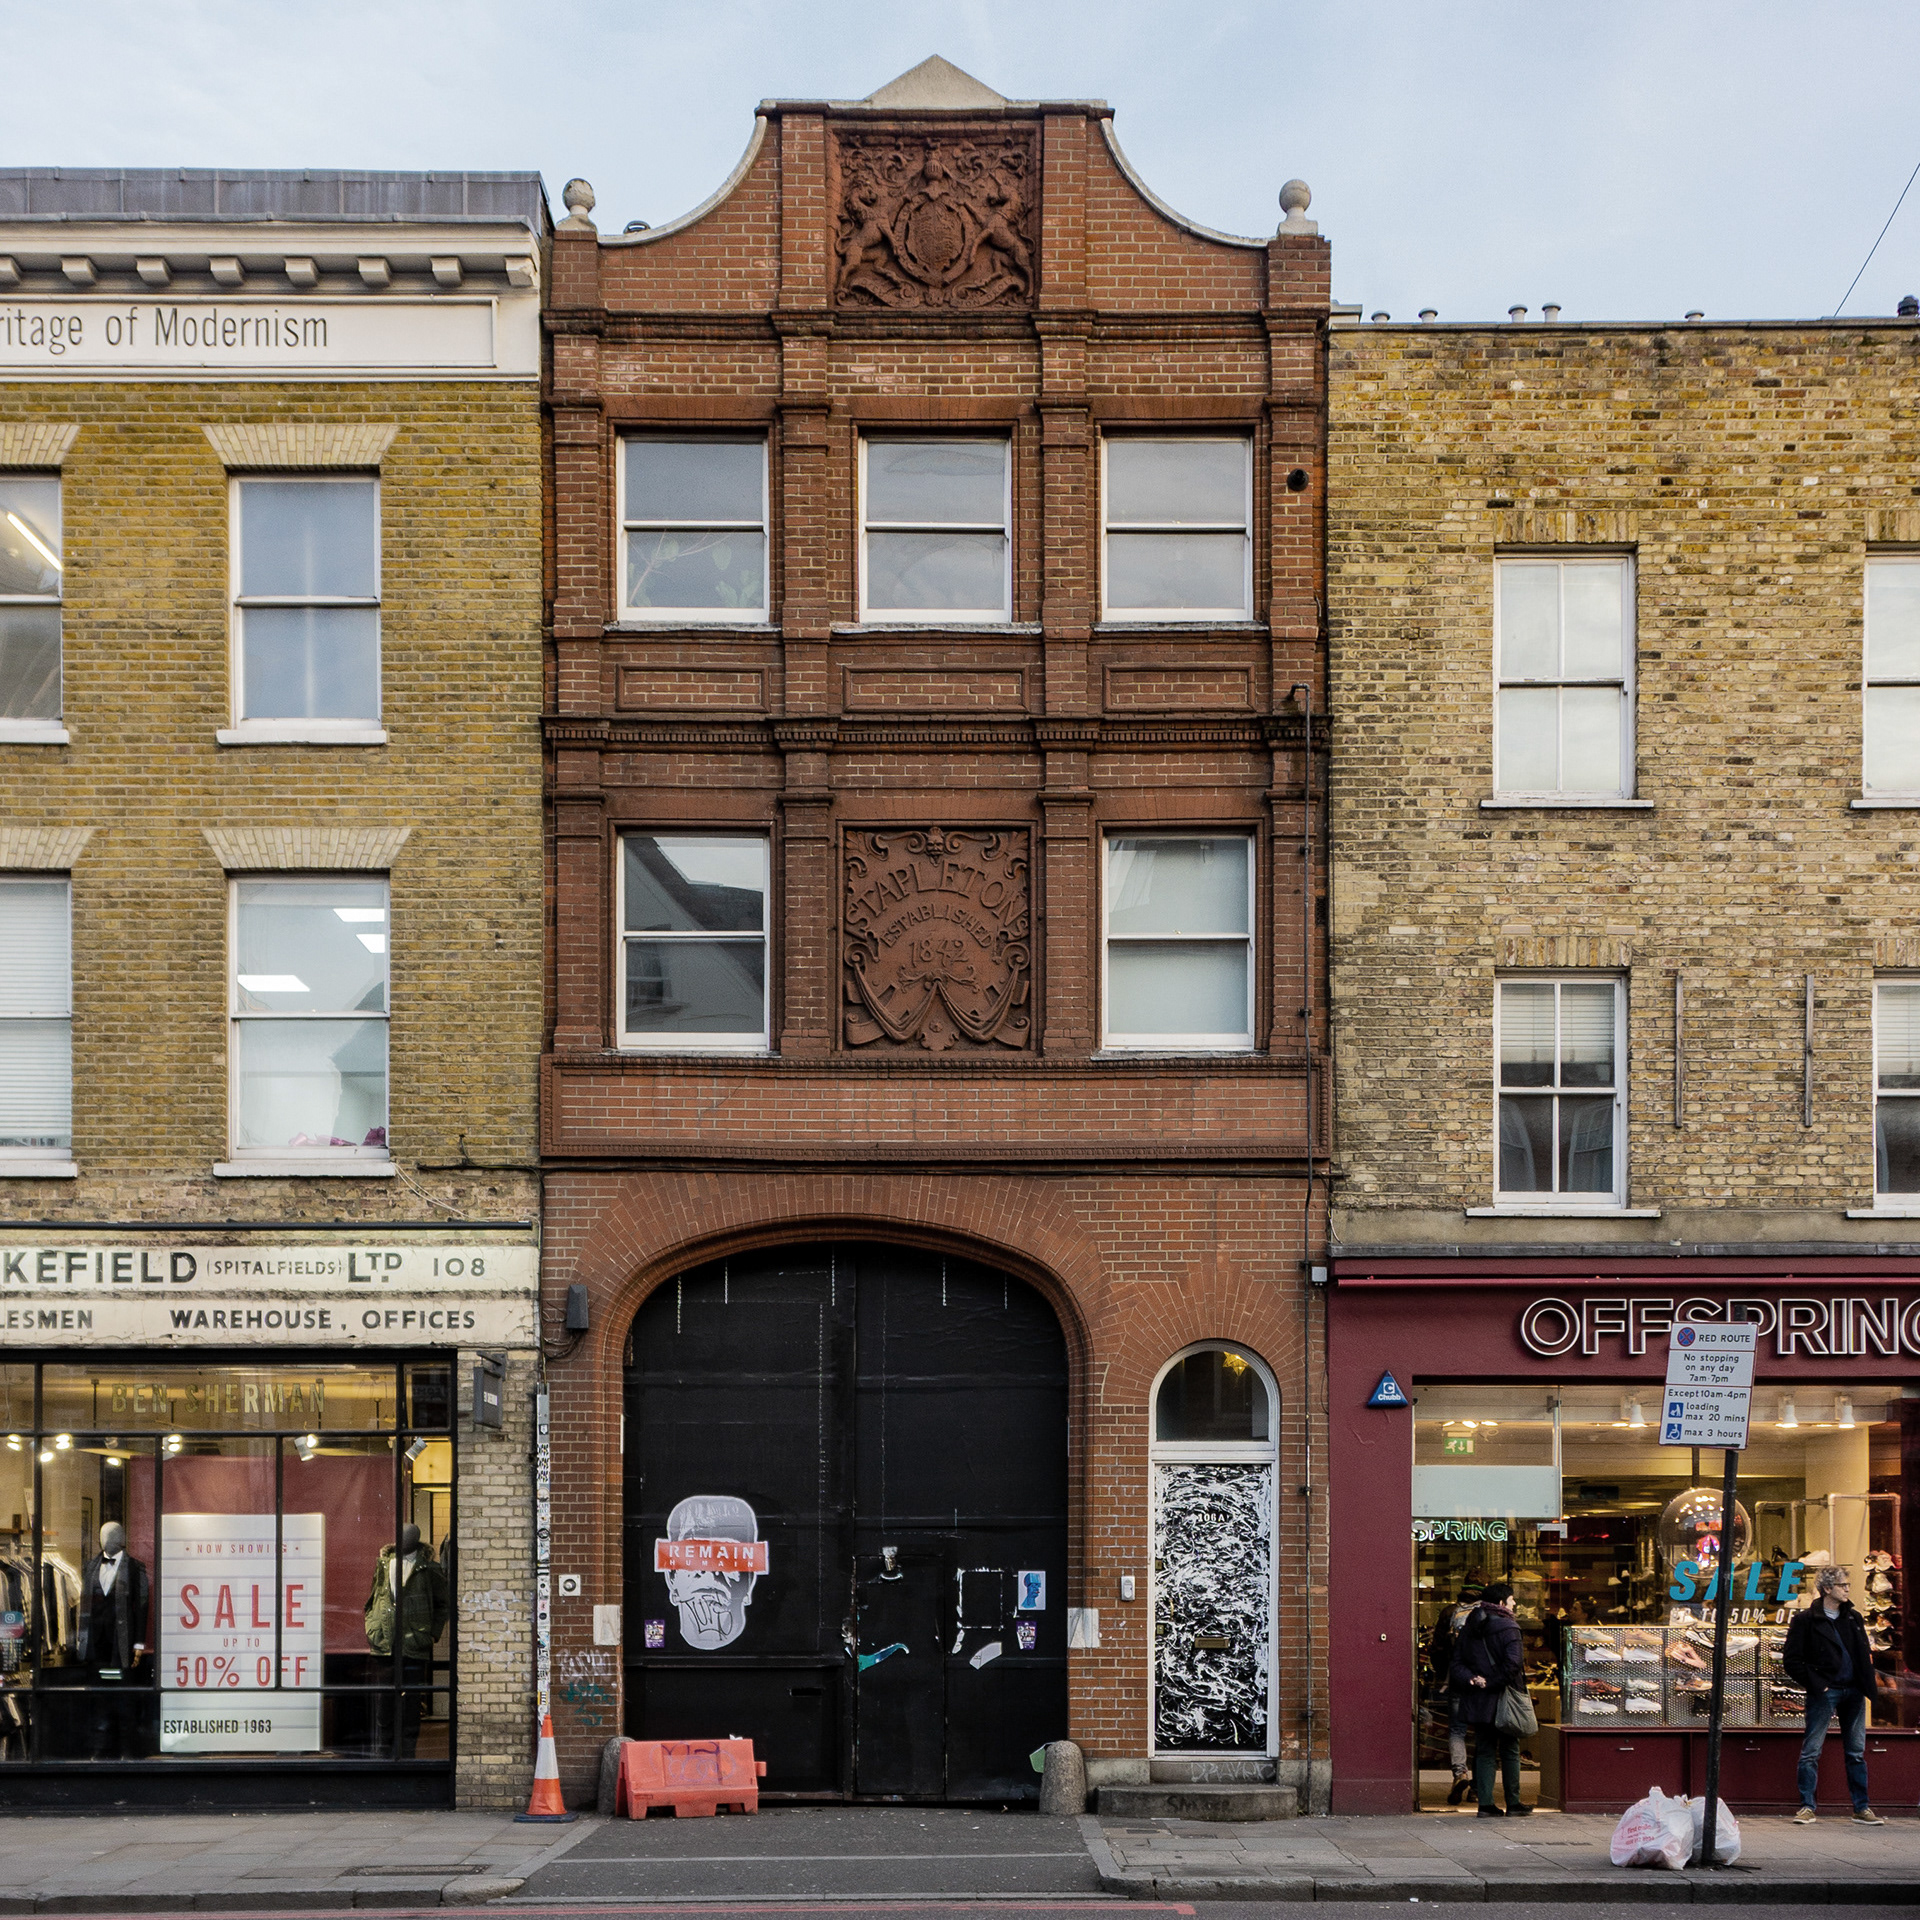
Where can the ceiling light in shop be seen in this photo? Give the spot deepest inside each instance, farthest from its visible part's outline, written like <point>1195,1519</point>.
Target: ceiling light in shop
<point>64,1441</point>
<point>46,1456</point>
<point>1788,1418</point>
<point>1635,1418</point>
<point>13,1443</point>
<point>1843,1411</point>
<point>114,1460</point>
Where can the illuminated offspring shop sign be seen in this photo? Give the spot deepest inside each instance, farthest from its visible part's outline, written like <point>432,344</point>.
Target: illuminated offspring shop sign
<point>1833,1327</point>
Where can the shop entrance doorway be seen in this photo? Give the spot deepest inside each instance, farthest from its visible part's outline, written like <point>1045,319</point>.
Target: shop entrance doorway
<point>846,1521</point>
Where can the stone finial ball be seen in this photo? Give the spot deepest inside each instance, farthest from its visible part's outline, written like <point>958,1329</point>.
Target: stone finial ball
<point>1295,197</point>
<point>577,195</point>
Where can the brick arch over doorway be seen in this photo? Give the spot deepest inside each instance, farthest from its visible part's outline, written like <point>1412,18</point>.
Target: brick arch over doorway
<point>1136,1266</point>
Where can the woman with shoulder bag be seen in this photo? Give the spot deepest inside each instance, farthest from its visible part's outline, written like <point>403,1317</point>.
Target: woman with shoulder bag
<point>1487,1661</point>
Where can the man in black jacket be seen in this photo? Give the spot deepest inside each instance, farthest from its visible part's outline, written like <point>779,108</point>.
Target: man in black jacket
<point>1486,1662</point>
<point>1827,1653</point>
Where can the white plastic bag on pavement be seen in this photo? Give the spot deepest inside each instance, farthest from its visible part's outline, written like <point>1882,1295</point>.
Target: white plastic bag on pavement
<point>1655,1832</point>
<point>1726,1833</point>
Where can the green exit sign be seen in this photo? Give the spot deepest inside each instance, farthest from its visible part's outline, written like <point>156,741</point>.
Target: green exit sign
<point>1456,1443</point>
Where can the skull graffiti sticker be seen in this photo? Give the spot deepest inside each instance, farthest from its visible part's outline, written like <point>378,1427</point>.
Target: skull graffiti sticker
<point>712,1556</point>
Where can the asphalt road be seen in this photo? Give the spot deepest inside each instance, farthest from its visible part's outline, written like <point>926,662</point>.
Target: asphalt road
<point>825,1854</point>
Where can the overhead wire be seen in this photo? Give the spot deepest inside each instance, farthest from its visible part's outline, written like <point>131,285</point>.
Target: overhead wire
<point>1875,248</point>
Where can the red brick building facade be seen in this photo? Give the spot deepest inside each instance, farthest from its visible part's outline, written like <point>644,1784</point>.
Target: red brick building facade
<point>936,572</point>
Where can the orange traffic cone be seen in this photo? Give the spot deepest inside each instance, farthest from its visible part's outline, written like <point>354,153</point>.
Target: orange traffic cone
<point>546,1803</point>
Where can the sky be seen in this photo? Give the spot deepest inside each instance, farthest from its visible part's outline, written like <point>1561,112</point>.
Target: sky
<point>1627,160</point>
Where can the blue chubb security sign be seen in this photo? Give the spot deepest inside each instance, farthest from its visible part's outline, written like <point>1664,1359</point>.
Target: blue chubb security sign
<point>1388,1394</point>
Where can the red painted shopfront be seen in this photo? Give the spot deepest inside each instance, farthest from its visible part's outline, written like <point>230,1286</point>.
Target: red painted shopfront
<point>1530,1453</point>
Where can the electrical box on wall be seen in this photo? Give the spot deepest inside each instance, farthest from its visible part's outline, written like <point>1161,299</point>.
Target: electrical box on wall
<point>489,1391</point>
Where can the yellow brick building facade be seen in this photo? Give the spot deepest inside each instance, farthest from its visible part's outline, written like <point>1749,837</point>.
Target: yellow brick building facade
<point>352,361</point>
<point>1624,636</point>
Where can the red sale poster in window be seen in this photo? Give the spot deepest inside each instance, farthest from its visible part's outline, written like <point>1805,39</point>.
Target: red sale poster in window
<point>222,1610</point>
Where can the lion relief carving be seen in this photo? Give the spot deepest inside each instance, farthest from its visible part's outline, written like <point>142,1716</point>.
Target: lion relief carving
<point>934,222</point>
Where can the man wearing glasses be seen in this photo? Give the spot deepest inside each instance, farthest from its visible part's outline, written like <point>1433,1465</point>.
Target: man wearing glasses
<point>1827,1653</point>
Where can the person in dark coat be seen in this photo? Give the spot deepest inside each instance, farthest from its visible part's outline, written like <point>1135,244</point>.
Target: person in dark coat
<point>1440,1658</point>
<point>1487,1661</point>
<point>1827,1653</point>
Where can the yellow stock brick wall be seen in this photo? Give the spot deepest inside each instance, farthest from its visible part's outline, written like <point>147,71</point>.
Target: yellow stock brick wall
<point>1749,469</point>
<point>146,657</point>
<point>147,685</point>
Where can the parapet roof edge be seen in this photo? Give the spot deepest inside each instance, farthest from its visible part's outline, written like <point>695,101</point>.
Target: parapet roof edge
<point>723,191</point>
<point>1160,207</point>
<point>868,110</point>
<point>1342,323</point>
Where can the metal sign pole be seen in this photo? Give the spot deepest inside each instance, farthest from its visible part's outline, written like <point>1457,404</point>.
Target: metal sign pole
<point>1723,1609</point>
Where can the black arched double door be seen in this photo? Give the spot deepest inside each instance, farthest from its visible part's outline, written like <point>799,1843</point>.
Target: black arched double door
<point>846,1521</point>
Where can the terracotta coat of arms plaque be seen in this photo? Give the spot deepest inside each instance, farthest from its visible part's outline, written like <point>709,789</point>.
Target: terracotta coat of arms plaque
<point>938,939</point>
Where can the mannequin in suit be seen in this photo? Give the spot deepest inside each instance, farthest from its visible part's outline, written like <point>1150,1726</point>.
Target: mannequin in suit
<point>110,1639</point>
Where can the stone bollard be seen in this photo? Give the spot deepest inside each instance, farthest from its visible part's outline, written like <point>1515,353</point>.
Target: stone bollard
<point>1063,1779</point>
<point>609,1774</point>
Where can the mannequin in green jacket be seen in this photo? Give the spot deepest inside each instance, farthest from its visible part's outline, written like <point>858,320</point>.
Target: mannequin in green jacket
<point>411,1592</point>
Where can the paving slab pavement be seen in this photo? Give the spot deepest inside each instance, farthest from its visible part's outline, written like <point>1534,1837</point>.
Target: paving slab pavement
<point>1550,1858</point>
<point>110,1863</point>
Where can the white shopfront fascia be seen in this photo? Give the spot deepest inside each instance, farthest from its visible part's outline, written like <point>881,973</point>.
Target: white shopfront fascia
<point>177,1294</point>
<point>270,330</point>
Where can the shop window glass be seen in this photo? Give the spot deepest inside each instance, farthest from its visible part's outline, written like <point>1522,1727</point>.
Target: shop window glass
<point>251,1560</point>
<point>1614,1589</point>
<point>1216,1395</point>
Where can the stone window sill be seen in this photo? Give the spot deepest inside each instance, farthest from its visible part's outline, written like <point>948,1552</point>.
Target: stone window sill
<point>1885,803</point>
<point>39,1170</point>
<point>305,1170</point>
<point>301,733</point>
<point>34,733</point>
<point>1883,1213</point>
<point>1562,1213</point>
<point>853,630</point>
<point>669,624</point>
<point>1547,802</point>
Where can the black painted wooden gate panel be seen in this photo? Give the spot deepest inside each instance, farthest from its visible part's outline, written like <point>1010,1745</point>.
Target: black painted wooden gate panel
<point>884,1435</point>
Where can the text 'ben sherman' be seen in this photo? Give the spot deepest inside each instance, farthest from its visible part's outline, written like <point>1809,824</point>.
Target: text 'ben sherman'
<point>59,333</point>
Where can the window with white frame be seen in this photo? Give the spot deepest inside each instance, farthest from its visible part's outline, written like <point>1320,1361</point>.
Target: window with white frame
<point>1178,952</point>
<point>693,942</point>
<point>933,530</point>
<point>1177,518</point>
<point>1891,722</point>
<point>306,600</point>
<point>693,528</point>
<point>30,583</point>
<point>309,1018</point>
<point>1561,1092</point>
<point>36,1018</point>
<point>1563,646</point>
<point>1896,1087</point>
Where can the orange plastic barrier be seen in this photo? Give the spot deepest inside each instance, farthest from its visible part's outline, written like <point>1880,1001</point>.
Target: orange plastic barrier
<point>693,1777</point>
